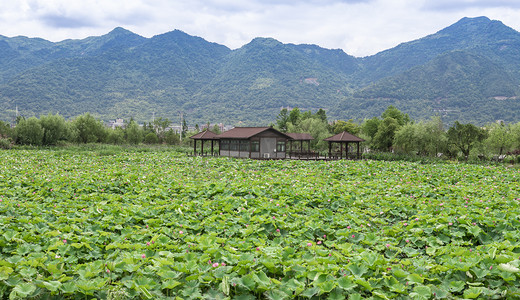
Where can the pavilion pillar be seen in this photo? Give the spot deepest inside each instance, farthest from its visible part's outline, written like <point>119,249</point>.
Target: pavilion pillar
<point>346,151</point>
<point>194,147</point>
<point>340,150</point>
<point>330,149</point>
<point>202,147</point>
<point>211,147</point>
<point>358,154</point>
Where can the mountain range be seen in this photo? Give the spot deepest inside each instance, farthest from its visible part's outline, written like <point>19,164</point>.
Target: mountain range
<point>469,71</point>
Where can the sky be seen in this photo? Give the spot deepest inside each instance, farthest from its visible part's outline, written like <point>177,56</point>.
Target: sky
<point>358,27</point>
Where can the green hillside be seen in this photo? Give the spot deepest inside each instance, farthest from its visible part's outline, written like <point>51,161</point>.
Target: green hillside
<point>469,71</point>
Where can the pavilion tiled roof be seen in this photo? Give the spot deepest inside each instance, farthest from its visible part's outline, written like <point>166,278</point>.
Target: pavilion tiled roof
<point>205,135</point>
<point>301,136</point>
<point>247,132</point>
<point>344,137</point>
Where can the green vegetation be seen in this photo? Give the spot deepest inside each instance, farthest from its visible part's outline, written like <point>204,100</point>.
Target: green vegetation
<point>116,224</point>
<point>52,130</point>
<point>394,131</point>
<point>467,72</point>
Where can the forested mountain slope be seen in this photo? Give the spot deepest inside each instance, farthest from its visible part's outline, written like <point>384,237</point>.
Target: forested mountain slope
<point>469,71</point>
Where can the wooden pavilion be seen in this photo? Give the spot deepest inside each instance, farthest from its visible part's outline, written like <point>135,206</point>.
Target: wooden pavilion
<point>344,139</point>
<point>206,135</point>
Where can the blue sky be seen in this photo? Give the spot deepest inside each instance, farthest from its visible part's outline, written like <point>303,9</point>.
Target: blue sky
<point>358,27</point>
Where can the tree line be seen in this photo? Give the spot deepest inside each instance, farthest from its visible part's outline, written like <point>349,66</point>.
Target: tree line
<point>51,130</point>
<point>394,131</point>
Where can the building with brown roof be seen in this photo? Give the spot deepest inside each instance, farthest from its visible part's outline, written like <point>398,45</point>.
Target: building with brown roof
<point>269,143</point>
<point>253,142</point>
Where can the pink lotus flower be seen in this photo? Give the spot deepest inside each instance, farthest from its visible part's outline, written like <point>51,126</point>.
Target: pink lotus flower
<point>387,245</point>
<point>277,230</point>
<point>223,264</point>
<point>324,236</point>
<point>407,241</point>
<point>143,256</point>
<point>64,241</point>
<point>319,242</point>
<point>181,232</point>
<point>215,265</point>
<point>353,236</point>
<point>257,249</point>
<point>309,244</point>
<point>147,243</point>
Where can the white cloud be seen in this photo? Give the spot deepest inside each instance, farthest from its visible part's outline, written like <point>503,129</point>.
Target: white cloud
<point>359,27</point>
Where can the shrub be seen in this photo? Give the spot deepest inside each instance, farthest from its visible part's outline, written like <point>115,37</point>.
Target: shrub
<point>6,143</point>
<point>151,138</point>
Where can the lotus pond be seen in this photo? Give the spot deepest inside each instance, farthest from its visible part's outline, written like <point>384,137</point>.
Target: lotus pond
<point>154,225</point>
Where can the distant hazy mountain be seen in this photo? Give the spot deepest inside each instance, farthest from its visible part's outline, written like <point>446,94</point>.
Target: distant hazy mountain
<point>469,71</point>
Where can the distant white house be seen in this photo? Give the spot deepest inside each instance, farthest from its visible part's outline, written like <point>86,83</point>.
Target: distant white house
<point>116,123</point>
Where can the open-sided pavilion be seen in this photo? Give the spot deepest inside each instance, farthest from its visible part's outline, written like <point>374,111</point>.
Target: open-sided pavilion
<point>344,139</point>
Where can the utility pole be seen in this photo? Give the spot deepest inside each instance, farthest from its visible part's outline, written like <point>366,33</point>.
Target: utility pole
<point>181,129</point>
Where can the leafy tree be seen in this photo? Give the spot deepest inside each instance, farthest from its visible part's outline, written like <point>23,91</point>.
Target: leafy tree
<point>151,138</point>
<point>55,129</point>
<point>306,115</point>
<point>282,119</point>
<point>396,114</point>
<point>407,138</point>
<point>322,115</point>
<point>465,136</point>
<point>384,138</point>
<point>431,137</point>
<point>369,127</point>
<point>171,138</point>
<point>116,136</point>
<point>515,131</point>
<point>134,134</point>
<point>294,116</point>
<point>500,137</point>
<point>88,129</point>
<point>5,130</point>
<point>29,132</point>
<point>319,131</point>
<point>350,127</point>
<point>216,129</point>
<point>159,126</point>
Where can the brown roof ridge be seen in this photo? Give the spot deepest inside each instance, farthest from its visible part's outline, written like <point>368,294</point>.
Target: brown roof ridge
<point>205,135</point>
<point>344,137</point>
<point>247,132</point>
